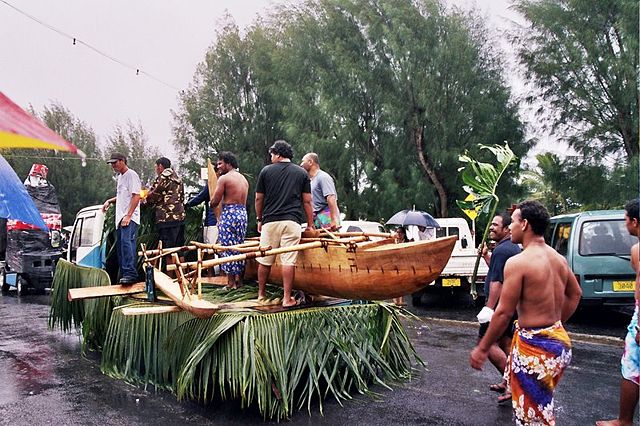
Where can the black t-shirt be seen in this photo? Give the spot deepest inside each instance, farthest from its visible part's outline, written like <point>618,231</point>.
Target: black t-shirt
<point>283,184</point>
<point>503,251</point>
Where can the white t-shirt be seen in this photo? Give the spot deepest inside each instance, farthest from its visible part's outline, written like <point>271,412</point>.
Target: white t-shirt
<point>128,184</point>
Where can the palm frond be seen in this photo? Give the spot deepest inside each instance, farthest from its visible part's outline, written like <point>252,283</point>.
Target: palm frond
<point>278,362</point>
<point>92,316</point>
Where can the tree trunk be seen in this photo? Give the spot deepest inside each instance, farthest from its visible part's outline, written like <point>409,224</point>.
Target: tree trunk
<point>428,170</point>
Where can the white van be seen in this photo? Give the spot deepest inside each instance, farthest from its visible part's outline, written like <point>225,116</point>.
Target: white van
<point>85,243</point>
<point>458,272</point>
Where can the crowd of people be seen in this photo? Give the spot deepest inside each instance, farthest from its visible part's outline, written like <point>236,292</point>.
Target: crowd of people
<point>530,289</point>
<point>287,195</point>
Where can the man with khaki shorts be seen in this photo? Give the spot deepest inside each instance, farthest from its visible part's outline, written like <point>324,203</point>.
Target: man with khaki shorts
<point>283,192</point>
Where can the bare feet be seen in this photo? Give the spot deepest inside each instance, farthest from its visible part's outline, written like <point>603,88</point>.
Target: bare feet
<point>287,303</point>
<point>615,422</point>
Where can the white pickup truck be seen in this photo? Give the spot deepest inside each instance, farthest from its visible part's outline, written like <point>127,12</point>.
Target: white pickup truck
<point>459,270</point>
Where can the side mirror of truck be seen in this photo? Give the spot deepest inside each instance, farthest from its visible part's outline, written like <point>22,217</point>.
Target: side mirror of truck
<point>464,243</point>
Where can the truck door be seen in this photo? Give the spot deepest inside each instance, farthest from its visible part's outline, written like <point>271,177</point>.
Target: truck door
<point>85,246</point>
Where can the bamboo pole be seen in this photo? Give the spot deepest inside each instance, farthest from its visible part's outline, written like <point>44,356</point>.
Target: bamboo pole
<point>199,274</point>
<point>245,256</point>
<point>218,246</point>
<point>156,252</point>
<point>341,241</point>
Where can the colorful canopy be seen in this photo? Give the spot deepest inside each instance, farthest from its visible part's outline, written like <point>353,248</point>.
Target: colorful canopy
<point>18,129</point>
<point>15,201</point>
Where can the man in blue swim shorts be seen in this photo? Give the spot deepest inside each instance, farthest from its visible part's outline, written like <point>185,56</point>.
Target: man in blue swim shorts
<point>232,192</point>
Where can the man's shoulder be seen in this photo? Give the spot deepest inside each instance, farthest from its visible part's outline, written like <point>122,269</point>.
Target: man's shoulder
<point>507,247</point>
<point>130,174</point>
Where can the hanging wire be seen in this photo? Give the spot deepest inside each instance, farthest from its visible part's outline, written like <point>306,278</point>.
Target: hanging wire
<point>76,41</point>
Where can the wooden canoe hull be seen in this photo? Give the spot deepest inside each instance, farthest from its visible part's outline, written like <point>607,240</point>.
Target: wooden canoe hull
<point>370,272</point>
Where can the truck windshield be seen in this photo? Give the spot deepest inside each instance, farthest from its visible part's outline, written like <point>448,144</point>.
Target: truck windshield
<point>605,237</point>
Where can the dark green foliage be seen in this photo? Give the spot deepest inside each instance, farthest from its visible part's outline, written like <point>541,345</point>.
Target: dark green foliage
<point>573,184</point>
<point>387,93</point>
<point>583,58</point>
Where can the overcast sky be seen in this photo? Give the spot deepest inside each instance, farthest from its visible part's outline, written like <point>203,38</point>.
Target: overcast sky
<point>164,38</point>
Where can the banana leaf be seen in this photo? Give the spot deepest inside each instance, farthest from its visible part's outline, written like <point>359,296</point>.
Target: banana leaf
<point>481,180</point>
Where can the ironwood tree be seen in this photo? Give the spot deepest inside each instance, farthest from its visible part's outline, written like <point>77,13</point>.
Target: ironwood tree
<point>582,57</point>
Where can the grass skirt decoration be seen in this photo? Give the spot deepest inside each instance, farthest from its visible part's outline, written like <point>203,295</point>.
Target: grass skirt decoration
<point>278,362</point>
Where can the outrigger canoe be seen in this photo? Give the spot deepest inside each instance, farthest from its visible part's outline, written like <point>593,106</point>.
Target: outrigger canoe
<point>365,270</point>
<point>345,268</point>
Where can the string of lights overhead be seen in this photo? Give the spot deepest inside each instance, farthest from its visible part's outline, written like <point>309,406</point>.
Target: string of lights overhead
<point>77,41</point>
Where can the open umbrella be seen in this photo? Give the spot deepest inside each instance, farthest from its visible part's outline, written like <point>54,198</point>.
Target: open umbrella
<point>18,129</point>
<point>413,217</point>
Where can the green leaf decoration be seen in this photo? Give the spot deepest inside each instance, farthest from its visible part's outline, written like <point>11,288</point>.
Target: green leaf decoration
<point>481,180</point>
<point>279,363</point>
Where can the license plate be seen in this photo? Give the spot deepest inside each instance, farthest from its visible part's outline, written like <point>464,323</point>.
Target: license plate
<point>451,282</point>
<point>624,285</point>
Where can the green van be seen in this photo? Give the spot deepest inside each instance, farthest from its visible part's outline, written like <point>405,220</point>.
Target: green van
<point>597,246</point>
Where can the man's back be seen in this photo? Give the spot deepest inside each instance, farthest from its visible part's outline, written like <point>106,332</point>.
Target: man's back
<point>543,275</point>
<point>283,184</point>
<point>235,186</point>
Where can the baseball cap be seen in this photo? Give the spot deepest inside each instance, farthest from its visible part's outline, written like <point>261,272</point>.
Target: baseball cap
<point>115,157</point>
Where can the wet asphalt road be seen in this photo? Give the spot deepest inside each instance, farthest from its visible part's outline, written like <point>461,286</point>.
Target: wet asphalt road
<point>45,380</point>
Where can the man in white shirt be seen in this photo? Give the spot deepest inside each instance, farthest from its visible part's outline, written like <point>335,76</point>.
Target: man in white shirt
<point>127,201</point>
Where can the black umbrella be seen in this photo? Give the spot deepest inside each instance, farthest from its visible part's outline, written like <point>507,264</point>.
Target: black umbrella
<point>413,217</point>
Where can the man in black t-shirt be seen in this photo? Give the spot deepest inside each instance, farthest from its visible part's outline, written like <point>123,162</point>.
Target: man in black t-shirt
<point>499,232</point>
<point>283,202</point>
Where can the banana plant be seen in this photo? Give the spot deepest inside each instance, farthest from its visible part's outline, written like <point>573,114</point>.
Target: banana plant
<point>481,181</point>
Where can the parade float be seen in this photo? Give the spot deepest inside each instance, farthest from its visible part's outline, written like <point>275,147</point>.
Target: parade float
<point>182,331</point>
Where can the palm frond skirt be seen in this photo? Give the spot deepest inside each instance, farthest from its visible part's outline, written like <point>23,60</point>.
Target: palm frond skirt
<point>279,362</point>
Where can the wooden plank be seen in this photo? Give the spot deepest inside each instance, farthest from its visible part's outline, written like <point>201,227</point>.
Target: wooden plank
<point>212,182</point>
<point>104,291</point>
<point>146,310</point>
<point>188,302</point>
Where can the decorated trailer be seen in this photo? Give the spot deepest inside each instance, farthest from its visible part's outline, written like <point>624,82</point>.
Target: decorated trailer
<point>30,253</point>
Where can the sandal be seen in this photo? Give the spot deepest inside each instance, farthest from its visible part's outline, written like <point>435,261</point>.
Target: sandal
<point>498,387</point>
<point>505,397</point>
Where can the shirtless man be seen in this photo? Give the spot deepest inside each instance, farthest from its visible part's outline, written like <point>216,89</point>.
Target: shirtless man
<point>231,191</point>
<point>541,285</point>
<point>630,384</point>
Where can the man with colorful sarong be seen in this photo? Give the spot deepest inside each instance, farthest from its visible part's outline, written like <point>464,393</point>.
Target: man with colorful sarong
<point>503,251</point>
<point>630,384</point>
<point>231,191</point>
<point>541,285</point>
<point>323,192</point>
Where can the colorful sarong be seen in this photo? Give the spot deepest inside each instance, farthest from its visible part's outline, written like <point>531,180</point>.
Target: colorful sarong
<point>322,219</point>
<point>232,228</point>
<point>630,361</point>
<point>537,360</point>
